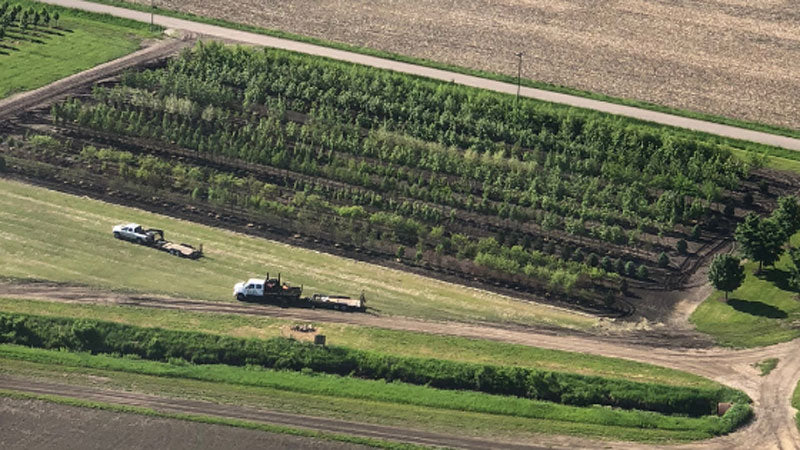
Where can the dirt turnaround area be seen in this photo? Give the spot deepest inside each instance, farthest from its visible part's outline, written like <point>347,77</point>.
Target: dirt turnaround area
<point>727,57</point>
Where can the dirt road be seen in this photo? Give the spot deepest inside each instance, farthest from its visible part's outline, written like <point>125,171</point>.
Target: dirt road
<point>257,39</point>
<point>773,427</point>
<point>194,407</point>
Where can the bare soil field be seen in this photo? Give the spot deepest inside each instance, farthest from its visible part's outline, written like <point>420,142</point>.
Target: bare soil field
<point>726,57</point>
<point>74,427</point>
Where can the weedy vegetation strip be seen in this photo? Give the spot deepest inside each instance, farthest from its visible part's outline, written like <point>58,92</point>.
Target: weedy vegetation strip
<point>279,353</point>
<point>307,382</point>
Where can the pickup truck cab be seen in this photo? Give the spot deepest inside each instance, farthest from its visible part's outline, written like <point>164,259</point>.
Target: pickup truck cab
<point>254,287</point>
<point>133,232</point>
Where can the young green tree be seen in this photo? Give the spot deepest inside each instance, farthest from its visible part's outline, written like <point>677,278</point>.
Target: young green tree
<point>663,260</point>
<point>726,273</point>
<point>761,239</point>
<point>788,215</point>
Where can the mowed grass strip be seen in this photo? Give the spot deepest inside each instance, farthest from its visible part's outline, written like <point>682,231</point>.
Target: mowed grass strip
<point>620,424</point>
<point>80,42</point>
<point>763,311</point>
<point>54,236</point>
<point>392,342</point>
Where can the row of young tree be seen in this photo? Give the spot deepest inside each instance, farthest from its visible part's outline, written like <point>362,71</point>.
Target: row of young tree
<point>525,168</point>
<point>388,162</point>
<point>617,151</point>
<point>762,240</point>
<point>23,19</point>
<point>562,266</point>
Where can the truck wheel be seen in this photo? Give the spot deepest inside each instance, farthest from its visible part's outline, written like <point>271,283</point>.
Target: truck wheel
<point>240,297</point>
<point>117,235</point>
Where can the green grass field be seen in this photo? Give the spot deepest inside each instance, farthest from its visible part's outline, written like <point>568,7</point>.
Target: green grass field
<point>371,339</point>
<point>395,404</point>
<point>54,236</point>
<point>80,42</point>
<point>763,311</point>
<point>796,404</point>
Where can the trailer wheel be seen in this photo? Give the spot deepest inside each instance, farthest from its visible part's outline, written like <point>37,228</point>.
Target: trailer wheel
<point>241,297</point>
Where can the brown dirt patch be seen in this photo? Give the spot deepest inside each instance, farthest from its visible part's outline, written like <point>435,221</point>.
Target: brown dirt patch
<point>727,57</point>
<point>72,427</point>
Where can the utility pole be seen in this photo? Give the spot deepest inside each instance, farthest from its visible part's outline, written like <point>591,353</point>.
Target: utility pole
<point>519,71</point>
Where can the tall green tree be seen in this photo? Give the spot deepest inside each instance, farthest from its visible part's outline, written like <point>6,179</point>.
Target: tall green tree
<point>726,273</point>
<point>788,215</point>
<point>761,239</point>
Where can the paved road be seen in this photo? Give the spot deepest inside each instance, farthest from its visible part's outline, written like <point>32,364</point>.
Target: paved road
<point>257,39</point>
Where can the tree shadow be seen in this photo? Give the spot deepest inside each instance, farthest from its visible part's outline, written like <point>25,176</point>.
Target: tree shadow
<point>756,308</point>
<point>49,31</point>
<point>8,48</point>
<point>24,37</point>
<point>778,277</point>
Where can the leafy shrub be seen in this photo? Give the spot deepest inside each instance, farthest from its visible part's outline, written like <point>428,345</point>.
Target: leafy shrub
<point>681,246</point>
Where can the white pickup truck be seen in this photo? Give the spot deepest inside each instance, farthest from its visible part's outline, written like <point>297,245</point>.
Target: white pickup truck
<point>155,238</point>
<point>134,232</point>
<point>271,290</point>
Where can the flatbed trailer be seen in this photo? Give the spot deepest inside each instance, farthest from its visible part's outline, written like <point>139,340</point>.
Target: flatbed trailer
<point>272,291</point>
<point>153,237</point>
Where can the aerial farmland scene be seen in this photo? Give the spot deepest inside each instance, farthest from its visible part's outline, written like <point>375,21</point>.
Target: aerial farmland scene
<point>516,224</point>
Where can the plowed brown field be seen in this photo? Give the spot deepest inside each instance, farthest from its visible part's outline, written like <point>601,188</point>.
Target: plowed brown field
<point>737,58</point>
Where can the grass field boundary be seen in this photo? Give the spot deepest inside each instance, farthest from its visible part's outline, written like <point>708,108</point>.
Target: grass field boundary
<point>156,344</point>
<point>633,425</point>
<point>777,130</point>
<point>796,404</point>
<point>212,420</point>
<point>98,17</point>
<point>404,343</point>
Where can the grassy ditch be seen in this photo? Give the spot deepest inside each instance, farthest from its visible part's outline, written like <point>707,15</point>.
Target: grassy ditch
<point>335,390</point>
<point>80,40</point>
<point>783,131</point>
<point>401,343</point>
<point>277,353</point>
<point>33,219</point>
<point>761,312</point>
